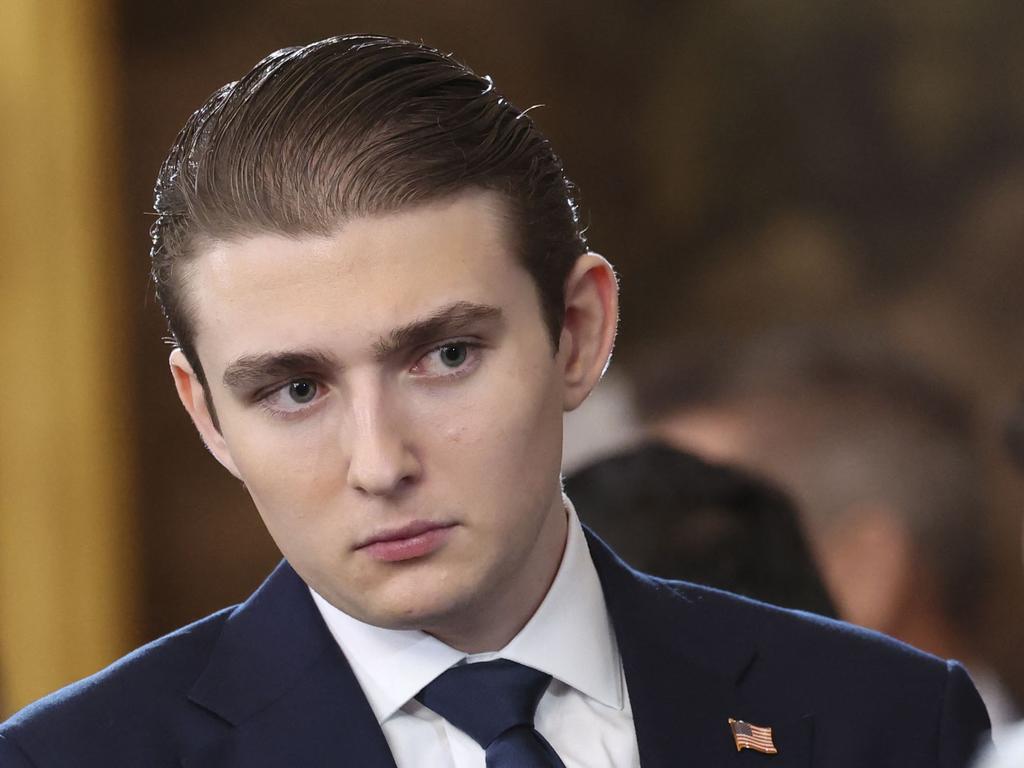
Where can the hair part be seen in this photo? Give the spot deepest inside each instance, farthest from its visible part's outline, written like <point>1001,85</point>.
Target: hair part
<point>349,127</point>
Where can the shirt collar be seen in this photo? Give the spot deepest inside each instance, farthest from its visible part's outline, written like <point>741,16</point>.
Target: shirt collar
<point>570,637</point>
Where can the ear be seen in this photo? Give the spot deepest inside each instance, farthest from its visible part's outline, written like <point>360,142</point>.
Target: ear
<point>588,332</point>
<point>193,397</point>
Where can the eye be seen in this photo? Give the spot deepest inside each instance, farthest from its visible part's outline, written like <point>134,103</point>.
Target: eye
<point>302,391</point>
<point>292,398</point>
<point>453,355</point>
<point>453,358</point>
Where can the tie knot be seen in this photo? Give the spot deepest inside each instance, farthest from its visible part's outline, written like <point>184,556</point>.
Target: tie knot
<point>486,699</point>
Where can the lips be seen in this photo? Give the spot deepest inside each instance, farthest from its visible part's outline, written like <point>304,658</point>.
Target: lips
<point>409,542</point>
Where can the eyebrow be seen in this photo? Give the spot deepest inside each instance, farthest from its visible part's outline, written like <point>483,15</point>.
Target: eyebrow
<point>249,370</point>
<point>449,320</point>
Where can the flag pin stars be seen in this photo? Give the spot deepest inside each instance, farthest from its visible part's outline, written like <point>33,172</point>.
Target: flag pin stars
<point>755,737</point>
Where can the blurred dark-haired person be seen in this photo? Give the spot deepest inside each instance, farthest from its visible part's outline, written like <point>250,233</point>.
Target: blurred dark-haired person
<point>383,304</point>
<point>880,456</point>
<point>674,515</point>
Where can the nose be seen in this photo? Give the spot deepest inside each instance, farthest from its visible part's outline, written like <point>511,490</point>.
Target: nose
<point>382,461</point>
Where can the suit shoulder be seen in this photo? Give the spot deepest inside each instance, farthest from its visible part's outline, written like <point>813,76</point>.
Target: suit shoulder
<point>814,639</point>
<point>857,680</point>
<point>155,676</point>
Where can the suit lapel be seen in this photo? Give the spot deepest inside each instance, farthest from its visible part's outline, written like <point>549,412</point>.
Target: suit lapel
<point>285,695</point>
<point>283,689</point>
<point>684,668</point>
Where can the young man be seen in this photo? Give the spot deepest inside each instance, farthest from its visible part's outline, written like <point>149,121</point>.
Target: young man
<point>383,304</point>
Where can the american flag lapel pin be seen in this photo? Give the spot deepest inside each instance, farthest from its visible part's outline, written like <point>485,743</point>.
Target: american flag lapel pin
<point>755,737</point>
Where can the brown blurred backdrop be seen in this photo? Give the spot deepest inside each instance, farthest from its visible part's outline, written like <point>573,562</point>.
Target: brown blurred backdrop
<point>743,164</point>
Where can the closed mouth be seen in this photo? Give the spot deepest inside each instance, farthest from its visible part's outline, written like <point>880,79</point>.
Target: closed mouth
<point>405,532</point>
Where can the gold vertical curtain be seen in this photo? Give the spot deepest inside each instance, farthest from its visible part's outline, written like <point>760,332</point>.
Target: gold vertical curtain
<point>66,545</point>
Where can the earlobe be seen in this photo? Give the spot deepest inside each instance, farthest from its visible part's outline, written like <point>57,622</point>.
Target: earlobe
<point>193,398</point>
<point>588,332</point>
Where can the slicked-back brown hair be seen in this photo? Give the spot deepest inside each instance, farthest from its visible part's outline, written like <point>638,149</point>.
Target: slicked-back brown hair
<point>354,126</point>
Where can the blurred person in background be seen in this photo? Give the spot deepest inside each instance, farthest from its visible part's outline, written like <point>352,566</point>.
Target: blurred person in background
<point>674,515</point>
<point>1009,753</point>
<point>383,304</point>
<point>880,457</point>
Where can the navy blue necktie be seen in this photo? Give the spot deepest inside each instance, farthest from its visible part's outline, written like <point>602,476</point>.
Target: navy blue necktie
<point>494,703</point>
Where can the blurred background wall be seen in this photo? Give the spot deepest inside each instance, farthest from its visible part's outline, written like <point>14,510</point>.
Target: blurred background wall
<point>744,165</point>
<point>68,584</point>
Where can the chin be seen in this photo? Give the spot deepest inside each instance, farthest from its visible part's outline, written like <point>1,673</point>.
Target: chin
<point>403,619</point>
<point>423,611</point>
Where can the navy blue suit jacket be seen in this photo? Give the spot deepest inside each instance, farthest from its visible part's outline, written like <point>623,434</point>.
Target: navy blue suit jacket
<point>264,684</point>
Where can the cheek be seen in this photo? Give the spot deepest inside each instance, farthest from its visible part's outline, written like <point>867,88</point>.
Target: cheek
<point>458,432</point>
<point>284,467</point>
<point>508,429</point>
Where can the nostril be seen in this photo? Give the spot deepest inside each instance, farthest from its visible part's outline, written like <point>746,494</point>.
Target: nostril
<point>380,473</point>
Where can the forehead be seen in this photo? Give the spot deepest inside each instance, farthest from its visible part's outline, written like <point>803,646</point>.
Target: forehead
<point>373,274</point>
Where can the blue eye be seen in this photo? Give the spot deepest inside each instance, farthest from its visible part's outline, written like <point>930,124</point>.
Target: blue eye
<point>302,391</point>
<point>449,361</point>
<point>453,355</point>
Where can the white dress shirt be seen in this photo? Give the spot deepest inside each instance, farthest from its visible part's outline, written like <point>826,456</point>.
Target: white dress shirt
<point>584,714</point>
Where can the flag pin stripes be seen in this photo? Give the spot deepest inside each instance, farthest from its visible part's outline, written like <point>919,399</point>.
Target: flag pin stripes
<point>755,737</point>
